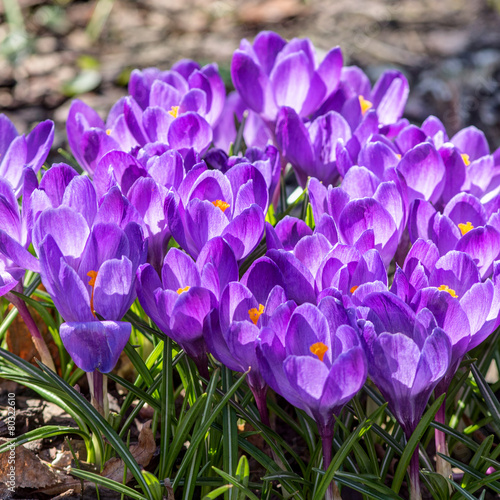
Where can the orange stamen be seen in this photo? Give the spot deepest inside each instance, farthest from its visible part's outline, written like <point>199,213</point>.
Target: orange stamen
<point>365,104</point>
<point>108,131</point>
<point>221,204</point>
<point>446,288</point>
<point>354,288</point>
<point>185,289</point>
<point>93,276</point>
<point>465,158</point>
<point>465,228</point>
<point>319,349</point>
<point>255,314</point>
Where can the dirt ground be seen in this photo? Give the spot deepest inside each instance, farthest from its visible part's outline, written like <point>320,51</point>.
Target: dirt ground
<point>53,50</point>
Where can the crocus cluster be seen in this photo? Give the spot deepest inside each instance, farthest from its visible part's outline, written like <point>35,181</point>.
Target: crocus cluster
<point>392,272</point>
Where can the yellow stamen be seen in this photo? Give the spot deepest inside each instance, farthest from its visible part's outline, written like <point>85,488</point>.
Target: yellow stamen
<point>108,131</point>
<point>174,111</point>
<point>354,288</point>
<point>465,158</point>
<point>399,156</point>
<point>319,349</point>
<point>446,288</point>
<point>465,228</point>
<point>365,104</point>
<point>185,289</point>
<point>221,204</point>
<point>255,314</point>
<point>93,276</point>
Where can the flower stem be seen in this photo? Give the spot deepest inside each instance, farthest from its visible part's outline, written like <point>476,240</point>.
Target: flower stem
<point>333,492</point>
<point>443,467</point>
<point>260,400</point>
<point>98,383</point>
<point>415,493</point>
<point>36,336</point>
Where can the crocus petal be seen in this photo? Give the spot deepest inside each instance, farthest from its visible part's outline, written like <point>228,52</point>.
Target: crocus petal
<point>95,345</point>
<point>190,131</point>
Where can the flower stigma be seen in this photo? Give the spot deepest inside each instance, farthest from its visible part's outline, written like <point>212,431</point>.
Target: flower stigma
<point>465,228</point>
<point>365,104</point>
<point>354,288</point>
<point>465,158</point>
<point>255,313</point>
<point>185,289</point>
<point>446,288</point>
<point>221,204</point>
<point>319,349</point>
<point>174,111</point>
<point>93,276</point>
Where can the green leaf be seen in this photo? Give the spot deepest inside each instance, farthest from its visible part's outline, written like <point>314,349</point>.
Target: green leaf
<point>85,81</point>
<point>236,483</point>
<point>182,432</point>
<point>154,485</point>
<point>440,490</point>
<point>366,485</point>
<point>218,492</point>
<point>488,395</point>
<point>412,444</point>
<point>107,483</point>
<point>101,426</point>
<point>477,460</point>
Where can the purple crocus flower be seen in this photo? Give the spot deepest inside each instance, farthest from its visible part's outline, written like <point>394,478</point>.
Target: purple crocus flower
<point>180,301</point>
<point>408,355</point>
<point>211,204</point>
<point>20,151</point>
<point>245,307</point>
<point>464,225</point>
<point>311,148</point>
<point>367,213</point>
<point>272,73</point>
<point>89,270</point>
<point>313,358</point>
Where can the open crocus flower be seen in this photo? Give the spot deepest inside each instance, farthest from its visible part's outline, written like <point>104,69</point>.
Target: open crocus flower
<point>356,100</point>
<point>89,272</point>
<point>20,151</point>
<point>272,73</point>
<point>186,87</point>
<point>245,307</point>
<point>211,204</point>
<point>315,361</point>
<point>464,225</point>
<point>368,213</point>
<point>186,293</point>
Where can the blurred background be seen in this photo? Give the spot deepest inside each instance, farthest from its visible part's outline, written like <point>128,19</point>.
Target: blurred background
<point>52,51</point>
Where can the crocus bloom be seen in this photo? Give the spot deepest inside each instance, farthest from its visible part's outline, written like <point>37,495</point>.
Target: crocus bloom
<point>186,293</point>
<point>211,204</point>
<point>315,361</point>
<point>89,271</point>
<point>464,225</point>
<point>20,151</point>
<point>272,73</point>
<point>407,356</point>
<point>245,307</point>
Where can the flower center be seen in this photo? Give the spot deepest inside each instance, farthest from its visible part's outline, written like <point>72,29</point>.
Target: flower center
<point>185,289</point>
<point>174,111</point>
<point>221,204</point>
<point>93,276</point>
<point>465,158</point>
<point>365,104</point>
<point>354,288</point>
<point>319,349</point>
<point>108,131</point>
<point>446,288</point>
<point>255,313</point>
<point>465,228</point>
